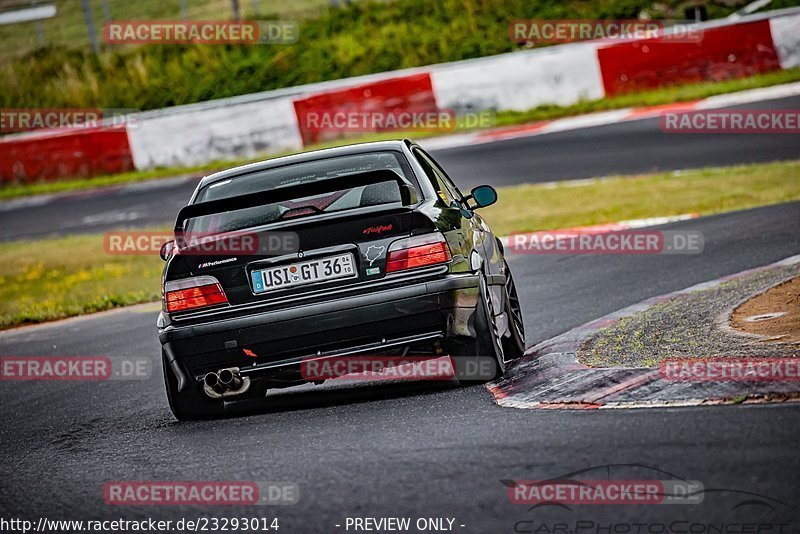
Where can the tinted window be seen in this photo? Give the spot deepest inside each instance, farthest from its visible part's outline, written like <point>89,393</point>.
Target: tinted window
<point>303,173</point>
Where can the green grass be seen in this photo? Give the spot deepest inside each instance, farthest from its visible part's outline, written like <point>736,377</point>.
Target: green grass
<point>68,28</point>
<point>527,208</point>
<point>54,278</point>
<point>60,186</point>
<point>656,97</point>
<point>51,279</point>
<point>667,95</point>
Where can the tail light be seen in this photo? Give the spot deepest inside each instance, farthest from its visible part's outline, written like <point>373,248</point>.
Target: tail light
<point>193,293</point>
<point>418,251</point>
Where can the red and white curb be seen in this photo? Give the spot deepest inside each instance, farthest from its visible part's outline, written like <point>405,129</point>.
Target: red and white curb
<point>607,227</point>
<point>550,376</point>
<point>605,118</point>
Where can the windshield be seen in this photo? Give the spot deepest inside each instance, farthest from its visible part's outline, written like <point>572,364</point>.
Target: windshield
<point>384,193</point>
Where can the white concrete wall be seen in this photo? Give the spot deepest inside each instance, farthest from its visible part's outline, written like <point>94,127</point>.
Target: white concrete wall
<point>199,136</point>
<point>786,36</point>
<point>561,75</point>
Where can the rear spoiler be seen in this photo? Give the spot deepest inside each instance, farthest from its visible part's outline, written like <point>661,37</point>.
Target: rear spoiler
<point>279,194</point>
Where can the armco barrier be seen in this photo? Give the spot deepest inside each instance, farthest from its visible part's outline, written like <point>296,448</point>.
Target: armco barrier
<point>413,92</point>
<point>723,53</point>
<point>274,121</point>
<point>81,152</point>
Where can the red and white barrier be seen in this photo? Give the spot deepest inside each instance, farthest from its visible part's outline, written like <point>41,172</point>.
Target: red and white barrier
<point>396,94</point>
<point>198,135</point>
<point>276,121</point>
<point>786,38</point>
<point>73,153</point>
<point>560,75</point>
<point>723,53</point>
<point>604,118</point>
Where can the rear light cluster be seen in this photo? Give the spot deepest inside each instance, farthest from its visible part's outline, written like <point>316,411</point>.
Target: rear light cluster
<point>418,251</point>
<point>193,293</point>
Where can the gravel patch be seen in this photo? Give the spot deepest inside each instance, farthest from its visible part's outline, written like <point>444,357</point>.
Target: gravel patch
<point>694,325</point>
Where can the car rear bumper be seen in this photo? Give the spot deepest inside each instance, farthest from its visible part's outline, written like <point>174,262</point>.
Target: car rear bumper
<point>361,324</point>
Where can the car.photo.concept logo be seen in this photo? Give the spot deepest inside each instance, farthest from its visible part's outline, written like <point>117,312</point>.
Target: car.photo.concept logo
<point>639,499</point>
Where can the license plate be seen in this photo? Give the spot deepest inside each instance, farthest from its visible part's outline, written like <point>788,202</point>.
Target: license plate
<point>304,272</point>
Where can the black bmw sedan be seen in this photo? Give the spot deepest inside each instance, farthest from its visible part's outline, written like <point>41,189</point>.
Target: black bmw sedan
<point>368,249</point>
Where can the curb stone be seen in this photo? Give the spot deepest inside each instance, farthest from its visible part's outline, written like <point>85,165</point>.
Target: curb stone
<point>549,375</point>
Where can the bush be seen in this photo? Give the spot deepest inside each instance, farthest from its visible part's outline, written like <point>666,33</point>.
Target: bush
<point>361,38</point>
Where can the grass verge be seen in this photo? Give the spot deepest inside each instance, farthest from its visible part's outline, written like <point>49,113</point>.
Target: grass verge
<point>680,93</point>
<point>655,97</point>
<point>51,279</point>
<point>567,204</point>
<point>60,277</point>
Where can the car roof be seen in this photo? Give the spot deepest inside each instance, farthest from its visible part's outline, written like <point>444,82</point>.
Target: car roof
<point>360,148</point>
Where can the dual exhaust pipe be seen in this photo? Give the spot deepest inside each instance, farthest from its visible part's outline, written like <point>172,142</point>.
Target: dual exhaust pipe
<point>225,383</point>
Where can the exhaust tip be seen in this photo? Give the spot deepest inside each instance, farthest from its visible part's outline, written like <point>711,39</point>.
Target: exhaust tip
<point>225,376</point>
<point>211,380</point>
<point>225,383</point>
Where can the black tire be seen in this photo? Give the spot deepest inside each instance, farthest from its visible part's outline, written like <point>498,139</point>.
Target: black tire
<point>487,344</point>
<point>191,404</point>
<point>492,342</point>
<point>489,341</point>
<point>514,344</point>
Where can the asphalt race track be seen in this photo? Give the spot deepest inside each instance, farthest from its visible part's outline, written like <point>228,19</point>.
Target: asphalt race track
<point>415,450</point>
<point>632,147</point>
<point>626,148</point>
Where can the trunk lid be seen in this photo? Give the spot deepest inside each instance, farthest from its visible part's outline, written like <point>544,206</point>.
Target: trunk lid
<point>363,238</point>
<point>305,246</point>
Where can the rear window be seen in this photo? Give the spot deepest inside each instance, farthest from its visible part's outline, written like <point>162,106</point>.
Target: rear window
<point>384,193</point>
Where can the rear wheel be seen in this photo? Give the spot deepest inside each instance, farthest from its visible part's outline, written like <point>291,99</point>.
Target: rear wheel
<point>514,344</point>
<point>489,341</point>
<point>494,339</point>
<point>471,359</point>
<point>191,404</point>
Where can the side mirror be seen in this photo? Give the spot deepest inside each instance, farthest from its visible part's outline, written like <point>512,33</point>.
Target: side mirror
<point>166,250</point>
<point>482,196</point>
